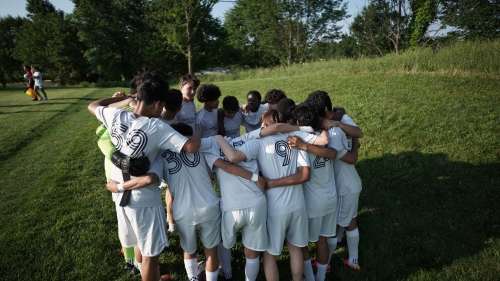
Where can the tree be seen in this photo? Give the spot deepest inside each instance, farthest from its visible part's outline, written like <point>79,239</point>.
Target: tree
<point>370,29</point>
<point>111,30</point>
<point>472,18</point>
<point>10,67</point>
<point>283,31</point>
<point>179,22</point>
<point>48,39</point>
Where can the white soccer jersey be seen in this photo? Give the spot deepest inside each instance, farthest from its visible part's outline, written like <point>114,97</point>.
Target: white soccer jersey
<point>206,123</point>
<point>232,126</point>
<point>237,193</point>
<point>186,174</point>
<point>347,180</point>
<point>320,191</point>
<point>253,120</point>
<point>277,160</point>
<point>132,135</point>
<point>187,114</point>
<point>39,80</point>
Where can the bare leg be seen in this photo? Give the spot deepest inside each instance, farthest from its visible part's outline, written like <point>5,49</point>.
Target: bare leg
<point>212,259</point>
<point>45,94</point>
<point>150,268</point>
<point>270,267</point>
<point>38,94</point>
<point>352,226</point>
<point>322,250</point>
<point>296,261</point>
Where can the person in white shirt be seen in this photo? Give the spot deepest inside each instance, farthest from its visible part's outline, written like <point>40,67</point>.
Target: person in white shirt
<point>39,85</point>
<point>252,111</point>
<point>319,192</point>
<point>347,182</point>
<point>134,133</point>
<point>206,118</point>
<point>188,85</point>
<point>230,118</point>
<point>284,169</point>
<point>196,205</point>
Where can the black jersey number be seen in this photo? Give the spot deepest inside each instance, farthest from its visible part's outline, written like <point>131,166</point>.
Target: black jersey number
<point>283,149</point>
<point>172,157</point>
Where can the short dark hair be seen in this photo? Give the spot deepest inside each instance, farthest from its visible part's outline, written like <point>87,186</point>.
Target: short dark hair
<point>306,115</point>
<point>285,108</point>
<point>189,78</point>
<point>320,100</point>
<point>36,67</point>
<point>174,100</point>
<point>208,92</point>
<point>151,91</point>
<point>140,78</point>
<point>255,93</point>
<point>271,116</point>
<point>230,103</point>
<point>183,129</point>
<point>274,96</point>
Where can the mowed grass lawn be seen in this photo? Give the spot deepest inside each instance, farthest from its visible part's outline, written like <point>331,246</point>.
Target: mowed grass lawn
<point>429,161</point>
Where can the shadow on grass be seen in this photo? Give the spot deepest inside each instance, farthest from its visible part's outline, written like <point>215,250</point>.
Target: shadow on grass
<point>422,212</point>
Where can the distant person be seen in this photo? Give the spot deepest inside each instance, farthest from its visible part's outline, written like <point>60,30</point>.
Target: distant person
<point>31,82</point>
<point>230,118</point>
<point>188,85</point>
<point>273,97</point>
<point>206,118</point>
<point>252,111</point>
<point>39,85</point>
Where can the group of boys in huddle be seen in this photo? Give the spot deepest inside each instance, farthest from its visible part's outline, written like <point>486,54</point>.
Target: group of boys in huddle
<point>290,178</point>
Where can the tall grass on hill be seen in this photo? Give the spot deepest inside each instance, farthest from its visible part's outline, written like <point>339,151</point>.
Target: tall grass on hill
<point>462,58</point>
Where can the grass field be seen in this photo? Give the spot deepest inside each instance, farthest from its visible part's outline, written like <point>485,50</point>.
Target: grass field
<point>429,161</point>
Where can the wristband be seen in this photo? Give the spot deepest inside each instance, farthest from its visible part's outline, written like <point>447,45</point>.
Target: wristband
<point>307,129</point>
<point>255,177</point>
<point>120,187</point>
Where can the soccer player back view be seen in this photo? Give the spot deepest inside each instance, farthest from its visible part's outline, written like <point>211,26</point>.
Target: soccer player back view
<point>134,133</point>
<point>285,170</point>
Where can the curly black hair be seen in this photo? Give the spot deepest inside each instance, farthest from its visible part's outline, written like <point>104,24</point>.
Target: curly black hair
<point>208,92</point>
<point>306,115</point>
<point>230,103</point>
<point>174,100</point>
<point>255,93</point>
<point>285,108</point>
<point>274,96</point>
<point>320,100</point>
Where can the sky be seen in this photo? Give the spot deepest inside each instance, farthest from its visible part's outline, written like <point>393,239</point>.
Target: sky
<point>18,8</point>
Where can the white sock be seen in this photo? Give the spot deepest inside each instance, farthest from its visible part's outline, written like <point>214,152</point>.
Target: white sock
<point>332,244</point>
<point>139,266</point>
<point>212,276</point>
<point>352,245</point>
<point>340,234</point>
<point>308,270</point>
<point>252,269</point>
<point>321,272</point>
<point>191,267</point>
<point>225,260</point>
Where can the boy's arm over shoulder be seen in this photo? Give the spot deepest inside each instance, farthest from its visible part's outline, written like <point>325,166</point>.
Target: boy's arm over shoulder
<point>103,102</point>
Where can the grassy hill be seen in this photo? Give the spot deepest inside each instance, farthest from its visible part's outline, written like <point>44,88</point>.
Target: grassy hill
<point>429,162</point>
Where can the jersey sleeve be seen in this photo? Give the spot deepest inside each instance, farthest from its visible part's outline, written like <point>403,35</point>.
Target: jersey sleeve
<point>348,120</point>
<point>302,159</point>
<point>210,158</point>
<point>251,149</point>
<point>106,115</point>
<point>336,136</point>
<point>157,166</point>
<point>170,138</point>
<point>306,137</point>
